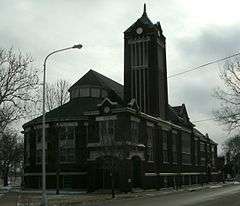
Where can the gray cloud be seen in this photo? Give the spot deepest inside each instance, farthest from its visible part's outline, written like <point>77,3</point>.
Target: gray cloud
<point>213,42</point>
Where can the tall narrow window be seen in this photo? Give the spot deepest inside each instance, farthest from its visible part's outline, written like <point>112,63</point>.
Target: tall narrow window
<point>146,53</point>
<point>134,130</point>
<point>67,144</point>
<point>137,54</point>
<point>196,152</point>
<point>38,135</point>
<point>150,136</point>
<point>134,55</point>
<point>202,154</point>
<point>174,148</point>
<point>107,131</point>
<point>27,148</point>
<point>141,53</point>
<point>165,146</point>
<point>186,148</point>
<point>213,155</point>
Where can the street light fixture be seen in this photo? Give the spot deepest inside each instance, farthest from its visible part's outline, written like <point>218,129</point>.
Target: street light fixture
<point>44,195</point>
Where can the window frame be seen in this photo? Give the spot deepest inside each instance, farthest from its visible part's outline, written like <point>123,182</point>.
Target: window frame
<point>86,94</point>
<point>95,89</point>
<point>67,142</point>
<point>165,156</point>
<point>108,126</point>
<point>186,148</point>
<point>150,137</point>
<point>174,147</point>
<point>134,130</point>
<point>196,152</point>
<point>38,136</point>
<point>27,148</point>
<point>202,153</point>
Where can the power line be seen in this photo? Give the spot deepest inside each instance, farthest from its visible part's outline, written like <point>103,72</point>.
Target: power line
<point>204,120</point>
<point>214,118</point>
<point>201,67</point>
<point>204,65</point>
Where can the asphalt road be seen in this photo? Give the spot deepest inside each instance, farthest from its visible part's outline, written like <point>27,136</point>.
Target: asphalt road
<point>221,196</point>
<point>224,196</point>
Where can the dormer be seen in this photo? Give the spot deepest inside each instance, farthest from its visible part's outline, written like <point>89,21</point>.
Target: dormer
<point>88,91</point>
<point>95,85</point>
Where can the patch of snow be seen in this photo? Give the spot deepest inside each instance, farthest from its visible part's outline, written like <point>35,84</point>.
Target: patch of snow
<point>215,186</point>
<point>150,195</point>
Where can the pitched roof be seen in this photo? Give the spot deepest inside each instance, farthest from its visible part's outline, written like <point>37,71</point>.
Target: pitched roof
<point>178,115</point>
<point>75,107</point>
<point>203,137</point>
<point>94,78</point>
<point>71,110</point>
<point>181,111</point>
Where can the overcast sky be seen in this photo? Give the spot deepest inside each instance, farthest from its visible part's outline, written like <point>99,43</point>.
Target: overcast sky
<point>196,32</point>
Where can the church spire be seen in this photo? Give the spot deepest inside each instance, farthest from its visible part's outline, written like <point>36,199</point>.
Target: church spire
<point>144,10</point>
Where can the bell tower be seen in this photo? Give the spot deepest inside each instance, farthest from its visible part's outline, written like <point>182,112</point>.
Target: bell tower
<point>145,69</point>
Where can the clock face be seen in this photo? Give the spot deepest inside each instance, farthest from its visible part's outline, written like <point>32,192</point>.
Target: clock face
<point>139,30</point>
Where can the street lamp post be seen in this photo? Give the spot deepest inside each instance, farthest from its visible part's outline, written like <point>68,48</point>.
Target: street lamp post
<point>44,195</point>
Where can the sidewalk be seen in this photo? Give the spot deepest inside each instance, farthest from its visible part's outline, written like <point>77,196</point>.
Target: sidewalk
<point>33,198</point>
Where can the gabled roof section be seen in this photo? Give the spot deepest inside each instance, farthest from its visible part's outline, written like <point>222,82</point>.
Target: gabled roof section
<point>73,109</point>
<point>106,100</point>
<point>181,111</point>
<point>94,78</point>
<point>144,21</point>
<point>178,115</point>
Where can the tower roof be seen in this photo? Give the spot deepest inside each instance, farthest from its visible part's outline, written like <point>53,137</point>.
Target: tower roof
<point>143,20</point>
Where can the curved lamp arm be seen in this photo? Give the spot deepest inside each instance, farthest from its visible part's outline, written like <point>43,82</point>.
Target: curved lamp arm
<point>77,46</point>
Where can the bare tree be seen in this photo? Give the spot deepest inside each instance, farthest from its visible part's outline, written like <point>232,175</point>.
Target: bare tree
<point>231,147</point>
<point>57,94</point>
<point>7,115</point>
<point>11,153</point>
<point>229,96</point>
<point>18,79</point>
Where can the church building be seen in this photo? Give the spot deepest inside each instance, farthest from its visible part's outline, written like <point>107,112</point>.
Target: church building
<point>128,133</point>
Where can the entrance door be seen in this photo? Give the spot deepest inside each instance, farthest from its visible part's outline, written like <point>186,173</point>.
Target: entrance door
<point>136,172</point>
<point>103,179</point>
